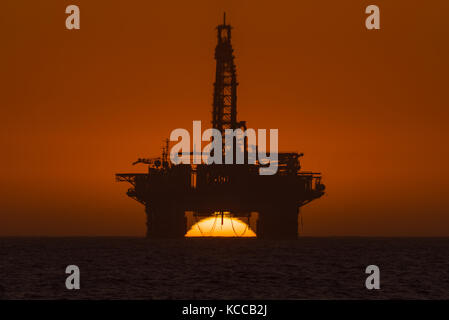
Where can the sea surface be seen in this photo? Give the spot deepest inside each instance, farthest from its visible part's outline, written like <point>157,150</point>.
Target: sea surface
<point>224,268</point>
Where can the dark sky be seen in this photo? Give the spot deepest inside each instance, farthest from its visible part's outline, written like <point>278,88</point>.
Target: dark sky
<point>368,108</point>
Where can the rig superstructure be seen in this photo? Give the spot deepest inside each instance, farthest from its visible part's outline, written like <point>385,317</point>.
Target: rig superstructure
<point>168,191</point>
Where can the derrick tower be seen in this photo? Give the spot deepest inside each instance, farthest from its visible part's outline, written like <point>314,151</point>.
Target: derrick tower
<point>224,112</point>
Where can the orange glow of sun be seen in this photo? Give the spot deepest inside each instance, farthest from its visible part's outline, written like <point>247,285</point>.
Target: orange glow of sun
<point>215,226</point>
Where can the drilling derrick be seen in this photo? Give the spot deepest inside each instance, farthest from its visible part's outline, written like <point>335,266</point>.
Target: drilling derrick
<point>224,113</point>
<point>168,191</point>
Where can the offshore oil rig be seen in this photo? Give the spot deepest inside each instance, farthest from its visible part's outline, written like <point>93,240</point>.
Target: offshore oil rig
<point>169,191</point>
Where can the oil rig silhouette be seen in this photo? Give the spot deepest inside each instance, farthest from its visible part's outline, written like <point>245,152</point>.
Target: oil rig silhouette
<point>168,191</point>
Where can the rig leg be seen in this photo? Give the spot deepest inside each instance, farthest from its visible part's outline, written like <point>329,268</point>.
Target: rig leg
<point>278,222</point>
<point>165,222</point>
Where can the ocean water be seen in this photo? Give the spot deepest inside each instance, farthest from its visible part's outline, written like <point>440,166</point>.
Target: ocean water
<point>217,268</point>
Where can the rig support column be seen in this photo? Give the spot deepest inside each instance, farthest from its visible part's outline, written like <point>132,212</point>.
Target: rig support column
<point>165,222</point>
<point>278,222</point>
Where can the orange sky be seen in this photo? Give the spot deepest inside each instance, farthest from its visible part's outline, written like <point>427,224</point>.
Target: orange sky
<point>368,108</point>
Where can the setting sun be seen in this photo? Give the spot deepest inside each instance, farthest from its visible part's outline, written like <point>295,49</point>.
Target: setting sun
<point>218,226</point>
